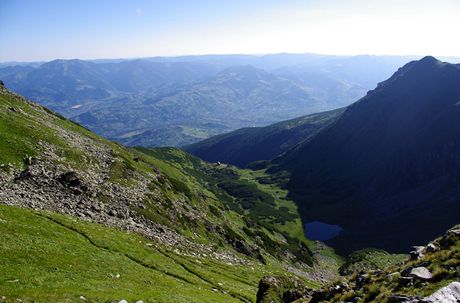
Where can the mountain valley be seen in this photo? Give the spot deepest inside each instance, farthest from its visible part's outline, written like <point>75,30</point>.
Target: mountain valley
<point>229,151</point>
<point>383,165</point>
<point>210,232</point>
<point>87,219</point>
<point>181,100</point>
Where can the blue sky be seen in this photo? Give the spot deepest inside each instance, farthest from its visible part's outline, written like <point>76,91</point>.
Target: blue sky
<point>33,30</point>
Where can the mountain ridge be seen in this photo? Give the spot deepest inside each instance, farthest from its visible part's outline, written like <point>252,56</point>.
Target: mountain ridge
<point>379,142</point>
<point>246,145</point>
<point>122,99</point>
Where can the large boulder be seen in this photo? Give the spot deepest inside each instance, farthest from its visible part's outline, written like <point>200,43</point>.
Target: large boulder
<point>421,273</point>
<point>72,180</point>
<point>417,252</point>
<point>448,294</point>
<point>69,178</point>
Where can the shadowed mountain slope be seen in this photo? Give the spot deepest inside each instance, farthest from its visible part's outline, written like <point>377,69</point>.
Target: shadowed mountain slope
<point>388,170</point>
<point>247,145</point>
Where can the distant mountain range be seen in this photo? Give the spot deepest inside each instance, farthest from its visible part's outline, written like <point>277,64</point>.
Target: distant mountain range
<point>386,169</point>
<point>180,100</point>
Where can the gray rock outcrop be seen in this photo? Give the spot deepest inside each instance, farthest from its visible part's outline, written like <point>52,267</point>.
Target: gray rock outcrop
<point>448,294</point>
<point>421,273</point>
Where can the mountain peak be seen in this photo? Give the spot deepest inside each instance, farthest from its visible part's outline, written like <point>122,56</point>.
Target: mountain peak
<point>429,59</point>
<point>426,62</point>
<point>416,69</point>
<point>393,134</point>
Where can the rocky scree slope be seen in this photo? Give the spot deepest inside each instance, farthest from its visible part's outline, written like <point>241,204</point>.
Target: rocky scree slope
<point>50,163</point>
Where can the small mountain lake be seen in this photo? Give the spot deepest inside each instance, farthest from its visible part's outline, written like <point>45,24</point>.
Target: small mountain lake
<point>317,230</point>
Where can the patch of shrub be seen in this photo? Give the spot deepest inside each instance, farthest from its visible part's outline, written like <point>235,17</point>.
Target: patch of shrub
<point>257,165</point>
<point>180,186</point>
<point>247,194</point>
<point>214,210</point>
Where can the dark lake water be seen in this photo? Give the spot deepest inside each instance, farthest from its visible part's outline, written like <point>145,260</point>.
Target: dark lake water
<point>316,230</point>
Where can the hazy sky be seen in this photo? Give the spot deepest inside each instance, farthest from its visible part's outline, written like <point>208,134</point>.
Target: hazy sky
<point>49,29</point>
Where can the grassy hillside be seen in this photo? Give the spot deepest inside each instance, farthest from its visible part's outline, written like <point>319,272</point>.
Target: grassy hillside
<point>247,145</point>
<point>46,257</point>
<point>267,214</point>
<point>169,220</point>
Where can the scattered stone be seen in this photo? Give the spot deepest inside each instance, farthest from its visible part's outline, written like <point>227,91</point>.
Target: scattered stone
<point>417,252</point>
<point>69,179</point>
<point>123,301</point>
<point>402,299</point>
<point>405,281</point>
<point>28,160</point>
<point>361,279</point>
<point>24,175</point>
<point>454,232</point>
<point>209,226</point>
<point>431,247</point>
<point>82,298</point>
<point>77,191</point>
<point>292,295</point>
<point>241,247</point>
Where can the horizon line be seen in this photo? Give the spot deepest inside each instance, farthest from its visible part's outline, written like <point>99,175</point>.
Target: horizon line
<point>227,54</point>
